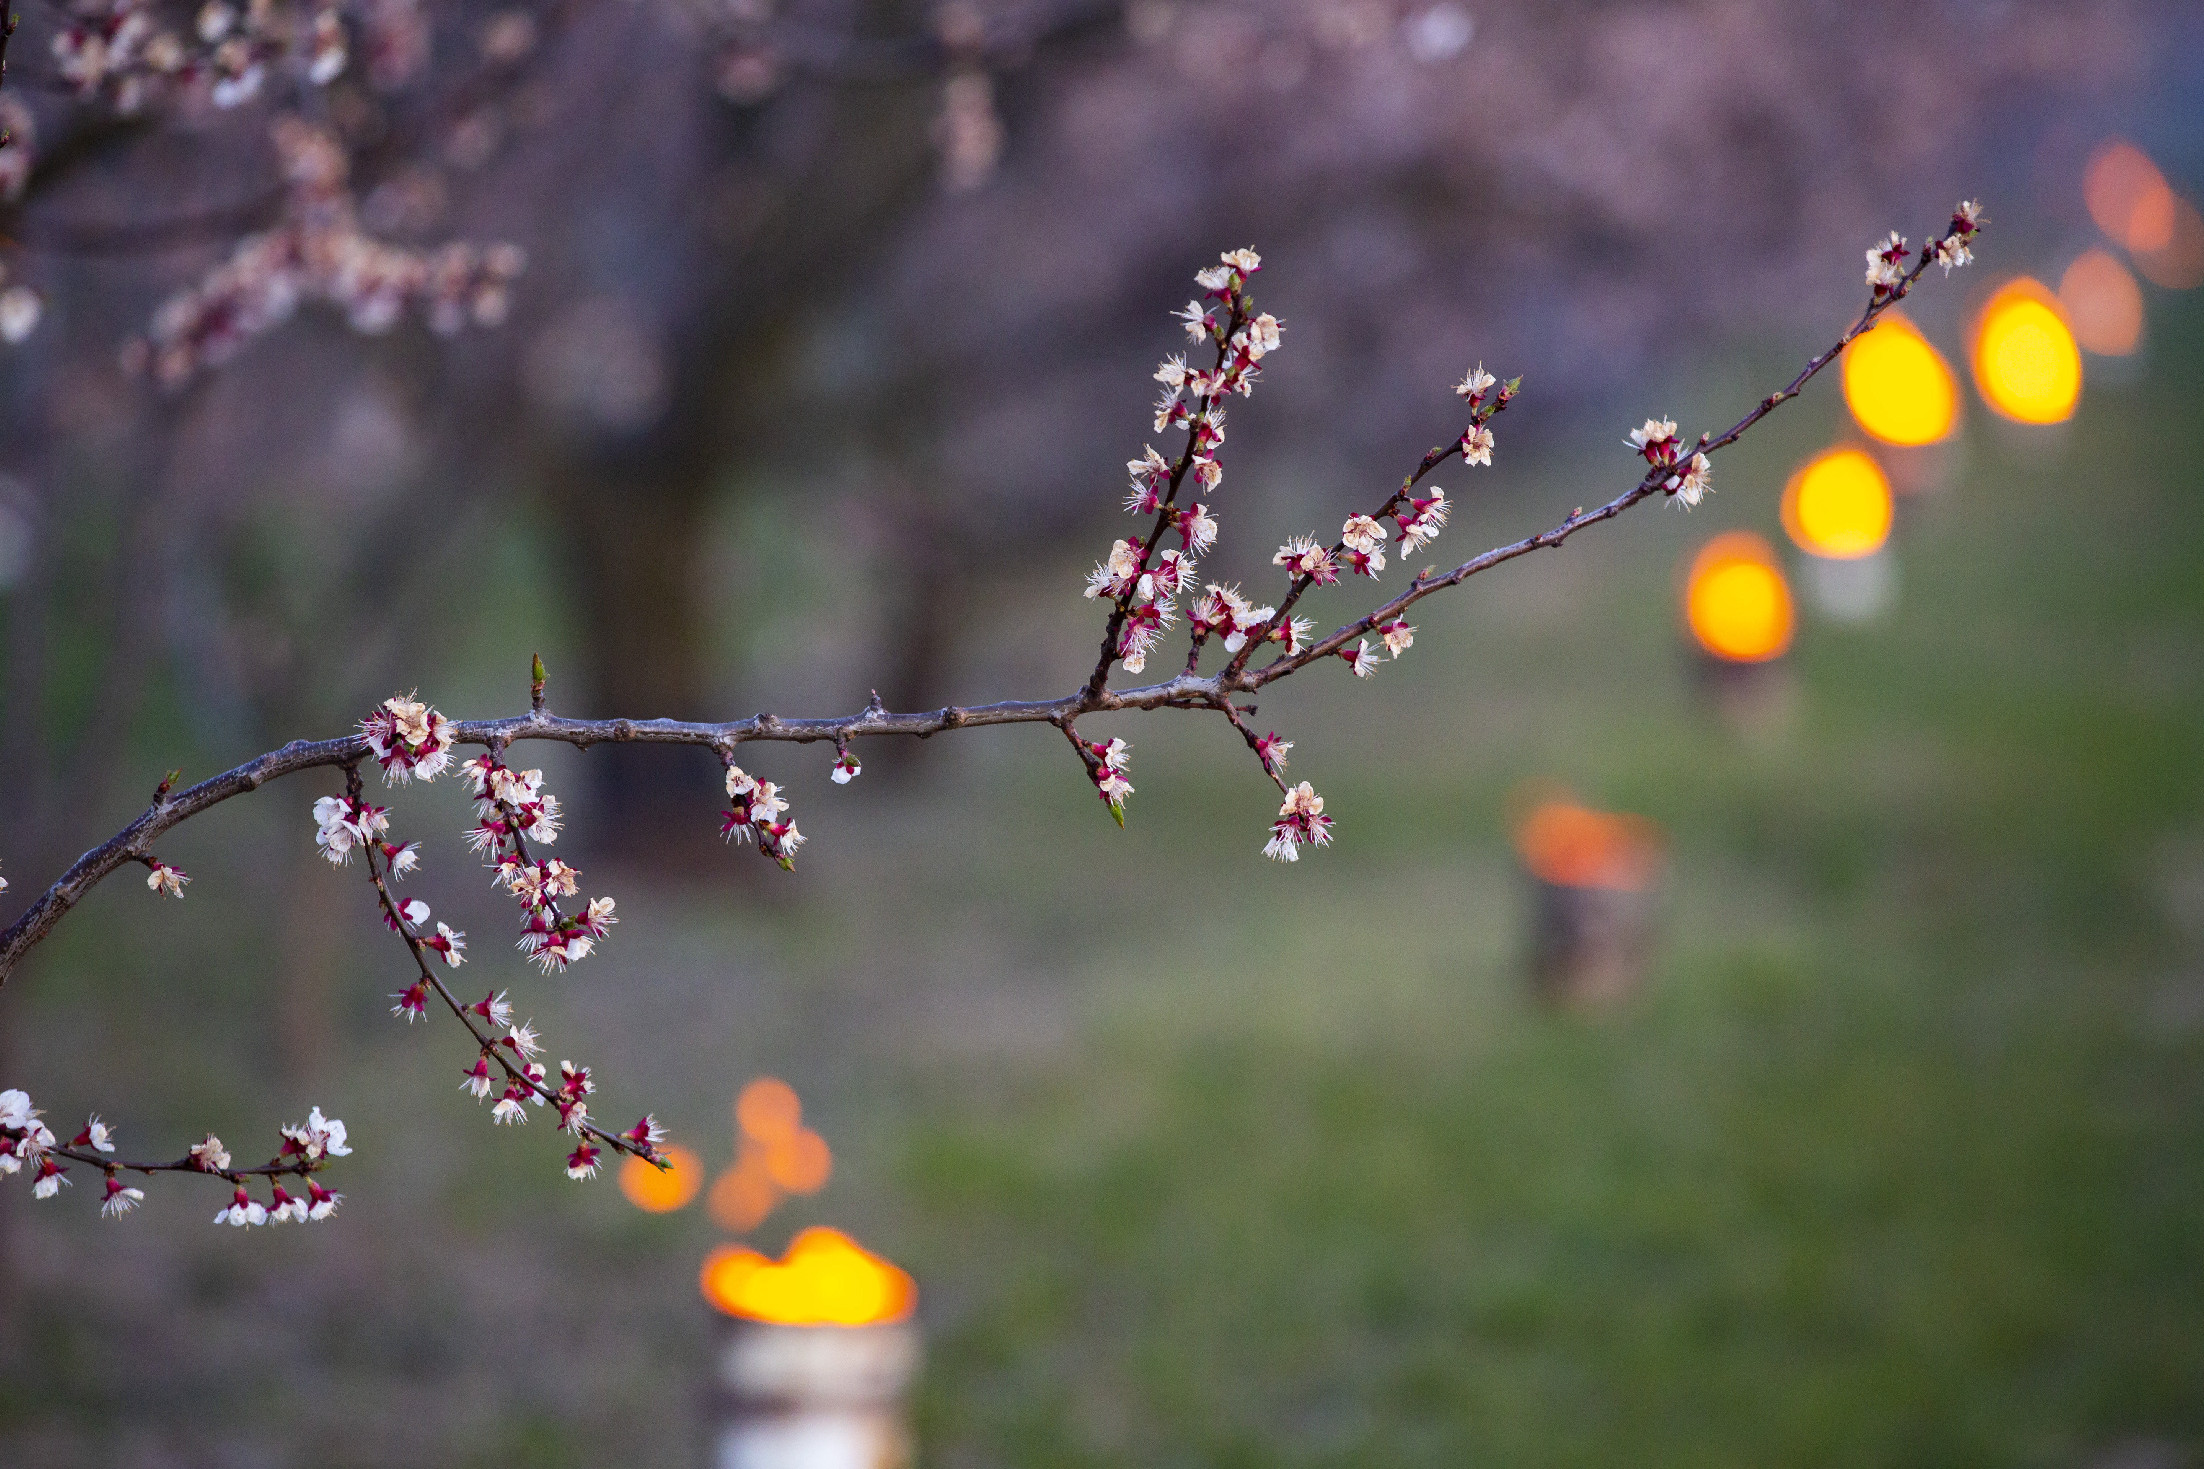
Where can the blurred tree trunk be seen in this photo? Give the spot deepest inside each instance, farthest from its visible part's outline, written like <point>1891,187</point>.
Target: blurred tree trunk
<point>836,169</point>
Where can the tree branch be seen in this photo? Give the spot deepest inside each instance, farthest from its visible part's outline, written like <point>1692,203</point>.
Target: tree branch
<point>1189,690</point>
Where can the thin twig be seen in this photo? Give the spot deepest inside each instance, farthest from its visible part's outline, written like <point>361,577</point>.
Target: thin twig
<point>491,1046</point>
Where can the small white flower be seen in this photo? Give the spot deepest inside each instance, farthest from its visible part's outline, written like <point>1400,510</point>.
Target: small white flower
<point>1398,636</point>
<point>1477,445</point>
<point>120,1200</point>
<point>1474,382</point>
<point>1657,434</point>
<point>1246,262</point>
<point>1691,486</point>
<point>1361,533</point>
<point>1199,528</point>
<point>1360,658</point>
<point>242,1211</point>
<point>1951,251</point>
<point>508,1111</point>
<point>210,1155</point>
<point>16,1110</point>
<point>1886,262</point>
<point>166,880</point>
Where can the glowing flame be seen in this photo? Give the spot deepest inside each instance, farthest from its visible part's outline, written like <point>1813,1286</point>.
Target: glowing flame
<point>660,1191</point>
<point>1838,505</point>
<point>2025,361</point>
<point>825,1279</point>
<point>1737,602</point>
<point>1573,846</point>
<point>2103,304</point>
<point>1898,386</point>
<point>777,1155</point>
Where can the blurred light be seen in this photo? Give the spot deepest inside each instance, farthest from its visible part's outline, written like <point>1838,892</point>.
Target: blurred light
<point>1898,386</point>
<point>1573,846</point>
<point>776,1154</point>
<point>825,1279</point>
<point>800,1164</point>
<point>768,1110</point>
<point>662,1190</point>
<point>1838,505</point>
<point>2103,304</point>
<point>2128,197</point>
<point>2134,205</point>
<point>1440,33</point>
<point>2180,265</point>
<point>1737,602</point>
<point>2025,361</point>
<point>741,1198</point>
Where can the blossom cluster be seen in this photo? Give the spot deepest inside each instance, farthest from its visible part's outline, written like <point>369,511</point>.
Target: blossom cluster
<point>1107,764</point>
<point>320,253</point>
<point>1886,258</point>
<point>1657,444</point>
<point>409,739</point>
<point>27,1142</point>
<point>1363,539</point>
<point>1144,580</point>
<point>120,52</point>
<point>512,809</point>
<point>756,808</point>
<point>1144,596</point>
<point>1301,821</point>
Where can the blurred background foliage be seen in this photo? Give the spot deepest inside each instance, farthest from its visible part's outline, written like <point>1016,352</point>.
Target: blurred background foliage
<point>1894,1158</point>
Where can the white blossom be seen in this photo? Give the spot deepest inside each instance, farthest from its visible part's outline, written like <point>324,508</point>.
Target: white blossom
<point>1477,445</point>
<point>1691,486</point>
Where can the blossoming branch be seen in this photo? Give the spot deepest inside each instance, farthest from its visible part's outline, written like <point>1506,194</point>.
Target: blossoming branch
<point>1143,581</point>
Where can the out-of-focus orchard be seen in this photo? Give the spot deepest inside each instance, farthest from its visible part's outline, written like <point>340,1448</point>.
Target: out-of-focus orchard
<point>1750,1013</point>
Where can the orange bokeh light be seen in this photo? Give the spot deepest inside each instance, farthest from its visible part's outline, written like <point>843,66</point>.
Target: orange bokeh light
<point>1736,601</point>
<point>1574,846</point>
<point>825,1279</point>
<point>768,1109</point>
<point>775,1155</point>
<point>2180,265</point>
<point>1898,387</point>
<point>2128,197</point>
<point>801,1164</point>
<point>1838,505</point>
<point>2025,361</point>
<point>2103,304</point>
<point>741,1198</point>
<point>662,1190</point>
<point>2133,204</point>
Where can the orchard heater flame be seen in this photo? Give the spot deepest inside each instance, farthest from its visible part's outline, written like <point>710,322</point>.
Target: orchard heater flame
<point>816,1351</point>
<point>1838,510</point>
<point>1593,878</point>
<point>1905,397</point>
<point>1738,608</point>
